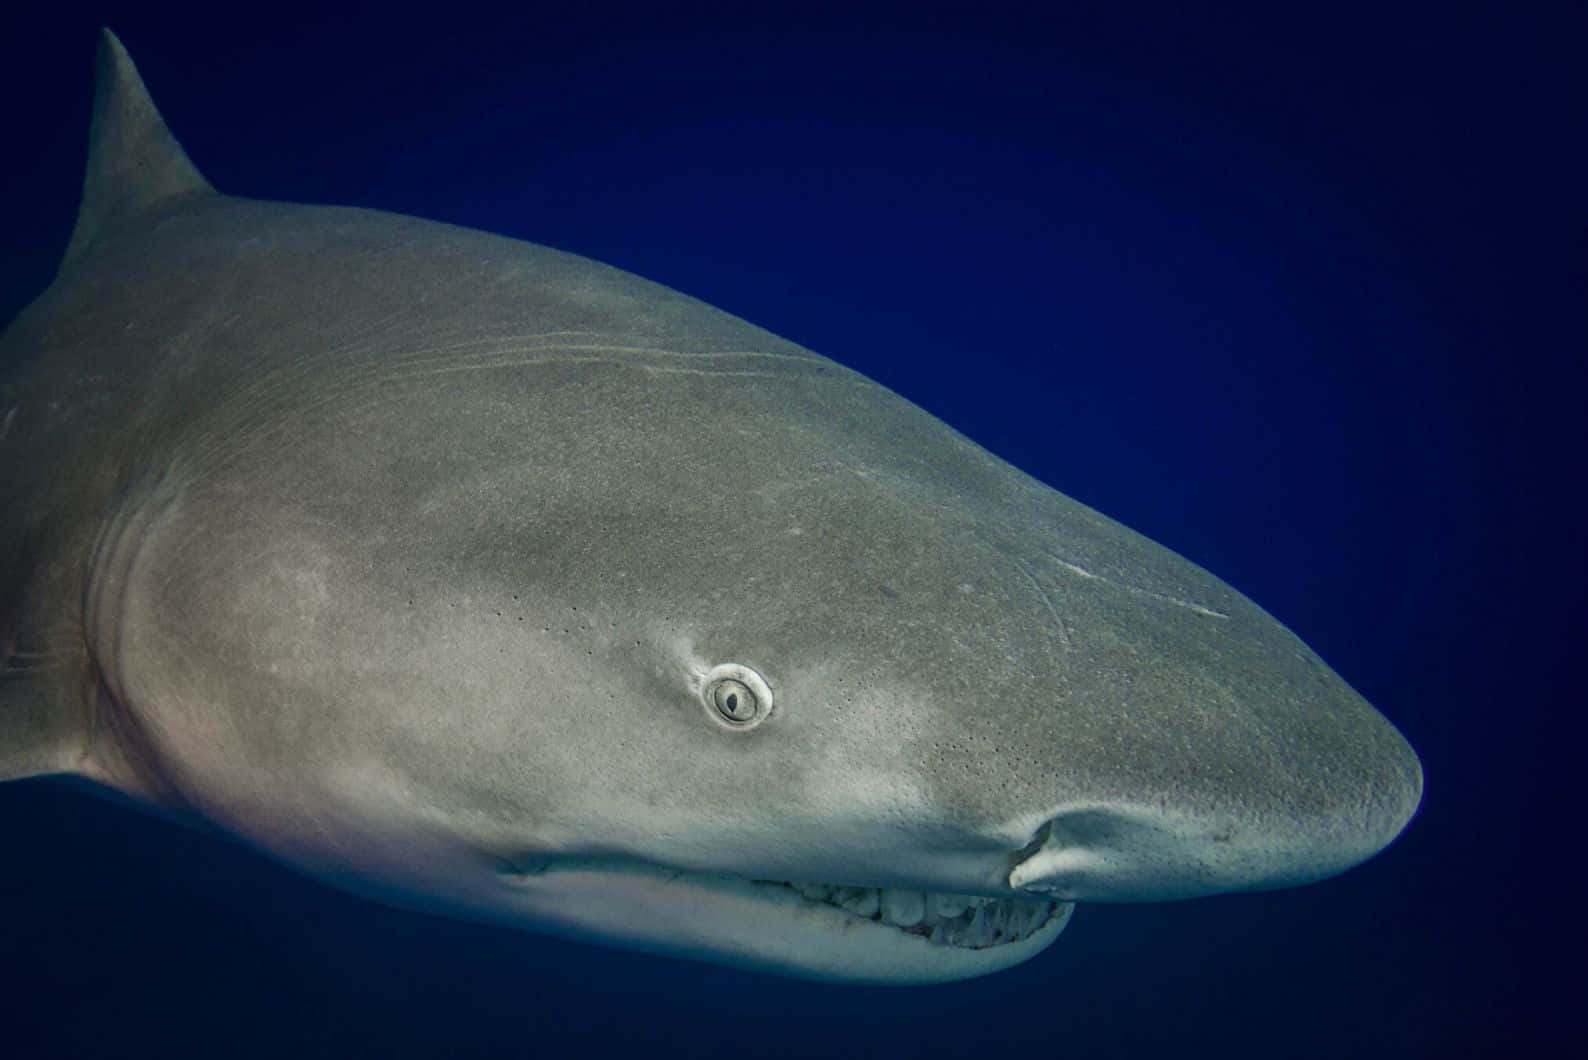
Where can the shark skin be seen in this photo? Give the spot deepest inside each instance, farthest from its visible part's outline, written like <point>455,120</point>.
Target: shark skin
<point>480,578</point>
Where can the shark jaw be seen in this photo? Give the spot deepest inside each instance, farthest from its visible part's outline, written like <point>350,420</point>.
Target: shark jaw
<point>956,920</point>
<point>830,932</point>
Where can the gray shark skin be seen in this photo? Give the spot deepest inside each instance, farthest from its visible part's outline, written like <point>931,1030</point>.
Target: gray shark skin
<point>481,578</point>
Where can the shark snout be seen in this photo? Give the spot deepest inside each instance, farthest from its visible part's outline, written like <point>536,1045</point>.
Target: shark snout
<point>1191,750</point>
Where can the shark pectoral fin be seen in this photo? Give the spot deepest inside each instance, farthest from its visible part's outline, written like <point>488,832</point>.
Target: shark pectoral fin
<point>41,729</point>
<point>135,165</point>
<point>44,719</point>
<point>44,724</point>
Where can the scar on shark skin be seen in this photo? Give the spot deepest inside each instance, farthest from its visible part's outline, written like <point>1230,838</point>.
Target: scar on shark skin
<point>1080,571</point>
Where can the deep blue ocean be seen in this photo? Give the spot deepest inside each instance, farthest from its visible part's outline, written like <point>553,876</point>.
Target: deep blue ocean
<point>1299,296</point>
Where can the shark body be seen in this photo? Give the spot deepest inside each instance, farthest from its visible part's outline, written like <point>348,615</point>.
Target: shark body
<point>479,577</point>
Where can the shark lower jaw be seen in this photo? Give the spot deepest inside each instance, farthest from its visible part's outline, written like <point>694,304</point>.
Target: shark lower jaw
<point>809,930</point>
<point>959,921</point>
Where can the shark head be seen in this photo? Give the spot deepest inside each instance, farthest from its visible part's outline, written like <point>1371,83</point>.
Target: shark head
<point>483,578</point>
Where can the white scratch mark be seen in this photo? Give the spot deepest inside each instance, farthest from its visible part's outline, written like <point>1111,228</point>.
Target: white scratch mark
<point>1073,568</point>
<point>1064,632</point>
<point>1198,608</point>
<point>1077,569</point>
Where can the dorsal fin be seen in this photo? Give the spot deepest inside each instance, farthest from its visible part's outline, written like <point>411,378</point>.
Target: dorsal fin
<point>134,163</point>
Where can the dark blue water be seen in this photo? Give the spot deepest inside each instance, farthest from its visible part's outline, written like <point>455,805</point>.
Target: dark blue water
<point>1298,297</point>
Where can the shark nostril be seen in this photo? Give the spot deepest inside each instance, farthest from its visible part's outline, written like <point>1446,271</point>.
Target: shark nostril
<point>1128,854</point>
<point>1136,853</point>
<point>1049,863</point>
<point>1039,839</point>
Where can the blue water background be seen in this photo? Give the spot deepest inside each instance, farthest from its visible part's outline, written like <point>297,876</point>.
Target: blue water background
<point>1298,295</point>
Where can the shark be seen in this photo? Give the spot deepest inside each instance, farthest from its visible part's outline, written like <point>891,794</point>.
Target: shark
<point>480,578</point>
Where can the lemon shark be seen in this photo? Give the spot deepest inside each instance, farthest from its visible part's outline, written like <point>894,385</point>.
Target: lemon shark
<point>481,578</point>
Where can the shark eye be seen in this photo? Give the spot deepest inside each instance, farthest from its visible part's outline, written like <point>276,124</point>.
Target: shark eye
<point>736,696</point>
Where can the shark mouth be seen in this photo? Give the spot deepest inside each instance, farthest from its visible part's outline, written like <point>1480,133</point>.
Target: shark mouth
<point>962,923</point>
<point>959,920</point>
